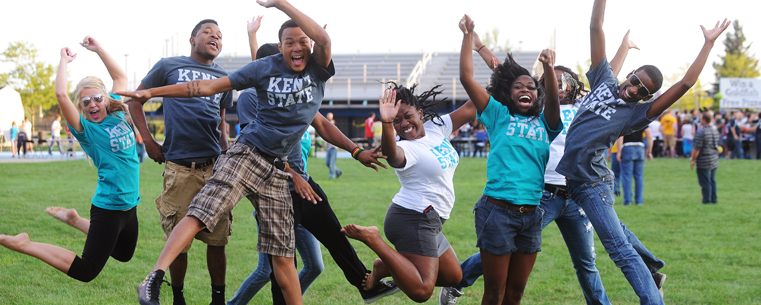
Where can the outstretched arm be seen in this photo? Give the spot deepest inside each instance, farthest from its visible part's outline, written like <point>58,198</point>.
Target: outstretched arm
<point>486,54</point>
<point>152,147</point>
<point>551,103</point>
<point>116,72</point>
<point>322,48</point>
<point>251,27</point>
<point>649,141</point>
<point>196,88</point>
<point>691,77</point>
<point>618,60</point>
<point>477,94</point>
<point>596,34</point>
<point>389,106</point>
<point>62,91</point>
<point>464,114</point>
<point>333,135</point>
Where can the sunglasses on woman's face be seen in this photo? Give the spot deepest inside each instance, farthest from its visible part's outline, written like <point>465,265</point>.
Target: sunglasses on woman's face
<point>98,98</point>
<point>641,89</point>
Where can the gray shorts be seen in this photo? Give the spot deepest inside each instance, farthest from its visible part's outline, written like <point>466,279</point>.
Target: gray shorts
<point>416,233</point>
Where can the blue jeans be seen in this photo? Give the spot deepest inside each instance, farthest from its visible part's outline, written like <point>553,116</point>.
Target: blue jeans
<point>311,256</point>
<point>616,167</point>
<point>633,165</point>
<point>579,238</point>
<point>707,181</point>
<point>737,152</point>
<point>55,141</point>
<point>330,161</point>
<point>596,198</point>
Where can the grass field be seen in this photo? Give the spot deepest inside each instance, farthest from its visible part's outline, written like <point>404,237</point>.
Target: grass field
<point>712,252</point>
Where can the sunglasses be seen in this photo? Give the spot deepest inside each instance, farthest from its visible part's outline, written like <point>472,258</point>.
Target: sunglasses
<point>641,89</point>
<point>98,98</point>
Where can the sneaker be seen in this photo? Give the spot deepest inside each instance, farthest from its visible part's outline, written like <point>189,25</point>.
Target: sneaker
<point>659,278</point>
<point>149,290</point>
<point>382,289</point>
<point>449,295</point>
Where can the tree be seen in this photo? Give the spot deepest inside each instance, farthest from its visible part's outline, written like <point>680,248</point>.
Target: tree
<point>34,80</point>
<point>491,41</point>
<point>736,62</point>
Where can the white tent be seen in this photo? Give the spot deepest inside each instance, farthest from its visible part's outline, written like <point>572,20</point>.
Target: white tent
<point>10,110</point>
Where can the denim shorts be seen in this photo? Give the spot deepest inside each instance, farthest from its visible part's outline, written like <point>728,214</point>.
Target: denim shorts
<point>501,231</point>
<point>416,233</point>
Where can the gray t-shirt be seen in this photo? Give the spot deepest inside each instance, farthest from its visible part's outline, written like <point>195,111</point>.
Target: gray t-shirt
<point>191,123</point>
<point>706,141</point>
<point>601,119</point>
<point>287,102</point>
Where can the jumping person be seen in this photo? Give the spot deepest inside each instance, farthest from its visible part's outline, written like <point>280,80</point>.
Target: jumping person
<point>425,163</point>
<point>608,112</point>
<point>195,137</point>
<point>520,134</point>
<point>105,135</point>
<point>293,83</point>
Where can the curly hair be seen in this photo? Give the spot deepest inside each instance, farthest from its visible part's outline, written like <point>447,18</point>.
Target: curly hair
<point>112,105</point>
<point>426,101</point>
<point>572,79</point>
<point>501,82</point>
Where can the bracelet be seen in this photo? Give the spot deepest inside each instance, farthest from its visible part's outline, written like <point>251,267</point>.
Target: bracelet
<point>382,122</point>
<point>355,152</point>
<point>479,49</point>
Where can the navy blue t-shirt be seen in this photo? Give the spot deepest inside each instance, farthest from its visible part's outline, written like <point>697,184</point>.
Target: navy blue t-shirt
<point>191,123</point>
<point>287,101</point>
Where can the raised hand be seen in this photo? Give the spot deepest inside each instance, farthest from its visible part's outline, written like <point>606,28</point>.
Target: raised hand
<point>477,44</point>
<point>90,44</point>
<point>628,42</point>
<point>370,159</point>
<point>714,33</point>
<point>67,55</point>
<point>389,106</point>
<point>253,25</point>
<point>140,95</point>
<point>466,24</point>
<point>268,3</point>
<point>547,57</point>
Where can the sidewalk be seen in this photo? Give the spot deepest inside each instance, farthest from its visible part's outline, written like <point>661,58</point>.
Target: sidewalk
<point>39,156</point>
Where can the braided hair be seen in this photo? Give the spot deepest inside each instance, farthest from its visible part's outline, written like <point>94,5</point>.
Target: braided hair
<point>501,82</point>
<point>421,102</point>
<point>570,78</point>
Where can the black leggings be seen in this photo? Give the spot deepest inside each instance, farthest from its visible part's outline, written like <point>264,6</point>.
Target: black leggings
<point>112,233</point>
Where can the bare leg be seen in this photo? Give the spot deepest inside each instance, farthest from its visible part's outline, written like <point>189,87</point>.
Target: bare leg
<point>55,256</point>
<point>287,278</point>
<point>216,261</point>
<point>450,273</point>
<point>495,276</point>
<point>181,236</point>
<point>520,269</point>
<point>178,269</point>
<point>70,217</point>
<point>414,274</point>
<point>378,273</point>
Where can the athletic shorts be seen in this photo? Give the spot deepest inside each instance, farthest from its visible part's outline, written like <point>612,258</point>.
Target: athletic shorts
<point>669,140</point>
<point>181,184</point>
<point>242,172</point>
<point>416,233</point>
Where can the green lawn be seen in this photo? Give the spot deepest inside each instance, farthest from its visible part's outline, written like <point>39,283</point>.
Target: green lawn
<point>712,252</point>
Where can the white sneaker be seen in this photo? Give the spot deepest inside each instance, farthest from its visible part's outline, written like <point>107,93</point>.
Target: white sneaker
<point>449,295</point>
<point>659,278</point>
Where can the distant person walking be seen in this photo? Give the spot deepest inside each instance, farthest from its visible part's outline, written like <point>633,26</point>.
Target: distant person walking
<point>14,138</point>
<point>669,134</point>
<point>369,133</point>
<point>27,127</point>
<point>705,154</point>
<point>55,135</point>
<point>332,151</point>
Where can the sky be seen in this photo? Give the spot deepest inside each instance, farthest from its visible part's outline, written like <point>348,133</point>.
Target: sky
<point>667,32</point>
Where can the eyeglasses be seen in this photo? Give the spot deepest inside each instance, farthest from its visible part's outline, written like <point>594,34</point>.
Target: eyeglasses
<point>521,86</point>
<point>641,89</point>
<point>98,98</point>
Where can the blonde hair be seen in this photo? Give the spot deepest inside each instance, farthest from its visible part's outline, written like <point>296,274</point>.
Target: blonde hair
<point>112,105</point>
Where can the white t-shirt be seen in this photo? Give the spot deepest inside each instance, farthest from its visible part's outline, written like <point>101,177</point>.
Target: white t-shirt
<point>55,129</point>
<point>687,131</point>
<point>655,129</point>
<point>27,126</point>
<point>427,176</point>
<point>557,147</point>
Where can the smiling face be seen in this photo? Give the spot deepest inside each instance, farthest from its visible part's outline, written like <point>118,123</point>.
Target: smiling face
<point>207,43</point>
<point>295,46</point>
<point>408,124</point>
<point>523,92</point>
<point>94,111</point>
<point>629,92</point>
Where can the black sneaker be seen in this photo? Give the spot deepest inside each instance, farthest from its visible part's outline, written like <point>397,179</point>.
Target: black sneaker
<point>149,290</point>
<point>382,289</point>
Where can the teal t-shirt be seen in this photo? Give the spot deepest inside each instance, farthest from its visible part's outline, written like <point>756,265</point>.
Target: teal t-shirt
<point>111,145</point>
<point>520,148</point>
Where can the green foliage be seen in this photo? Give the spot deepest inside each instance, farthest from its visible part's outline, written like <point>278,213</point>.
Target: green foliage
<point>491,41</point>
<point>34,80</point>
<point>711,251</point>
<point>736,62</point>
<point>581,71</point>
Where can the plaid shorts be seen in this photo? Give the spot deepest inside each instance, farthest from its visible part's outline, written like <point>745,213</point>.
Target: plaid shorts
<point>242,172</point>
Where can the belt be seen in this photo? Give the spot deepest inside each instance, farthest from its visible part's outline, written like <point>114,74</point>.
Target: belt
<point>510,206</point>
<point>189,164</point>
<point>278,162</point>
<point>634,144</point>
<point>558,190</point>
